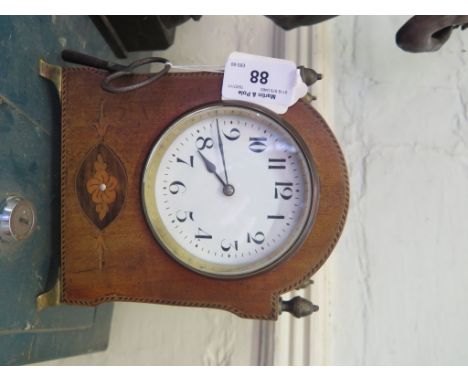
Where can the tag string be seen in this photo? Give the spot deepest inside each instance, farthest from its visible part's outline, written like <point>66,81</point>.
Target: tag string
<point>199,68</point>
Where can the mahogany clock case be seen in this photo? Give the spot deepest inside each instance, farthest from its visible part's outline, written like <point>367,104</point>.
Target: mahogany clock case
<point>108,251</point>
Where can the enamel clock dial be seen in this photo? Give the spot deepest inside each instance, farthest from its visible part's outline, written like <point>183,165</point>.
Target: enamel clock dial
<point>230,190</point>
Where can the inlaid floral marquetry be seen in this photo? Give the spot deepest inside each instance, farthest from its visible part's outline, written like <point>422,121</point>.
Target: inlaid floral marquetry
<point>104,123</point>
<point>101,186</point>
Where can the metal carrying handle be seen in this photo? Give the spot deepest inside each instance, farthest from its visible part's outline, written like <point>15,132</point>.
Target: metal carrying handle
<point>129,70</point>
<point>117,70</point>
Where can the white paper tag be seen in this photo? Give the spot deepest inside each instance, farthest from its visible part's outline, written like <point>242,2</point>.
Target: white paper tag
<point>270,82</point>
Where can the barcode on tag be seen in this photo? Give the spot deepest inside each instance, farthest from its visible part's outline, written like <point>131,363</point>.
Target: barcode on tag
<point>269,82</point>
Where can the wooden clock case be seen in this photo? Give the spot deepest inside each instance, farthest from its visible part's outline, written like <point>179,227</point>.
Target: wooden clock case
<point>108,252</point>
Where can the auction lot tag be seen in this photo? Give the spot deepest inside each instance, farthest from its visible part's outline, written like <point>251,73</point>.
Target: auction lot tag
<point>270,82</point>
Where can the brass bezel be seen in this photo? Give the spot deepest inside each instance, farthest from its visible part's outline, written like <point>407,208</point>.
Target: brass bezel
<point>165,239</point>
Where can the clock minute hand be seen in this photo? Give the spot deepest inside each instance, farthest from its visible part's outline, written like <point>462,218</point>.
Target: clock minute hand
<point>221,149</point>
<point>210,166</point>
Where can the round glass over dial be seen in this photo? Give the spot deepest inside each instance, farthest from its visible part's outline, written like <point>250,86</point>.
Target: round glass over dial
<point>229,190</point>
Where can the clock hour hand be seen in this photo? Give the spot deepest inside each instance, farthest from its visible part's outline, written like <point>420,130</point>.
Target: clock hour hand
<point>228,190</point>
<point>210,166</point>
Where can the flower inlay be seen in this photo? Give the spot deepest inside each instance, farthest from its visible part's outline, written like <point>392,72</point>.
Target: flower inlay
<point>102,187</point>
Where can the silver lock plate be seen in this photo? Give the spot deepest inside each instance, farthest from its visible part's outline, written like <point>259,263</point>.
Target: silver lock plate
<point>17,219</point>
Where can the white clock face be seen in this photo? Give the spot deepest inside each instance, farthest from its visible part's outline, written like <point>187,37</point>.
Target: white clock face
<point>228,191</point>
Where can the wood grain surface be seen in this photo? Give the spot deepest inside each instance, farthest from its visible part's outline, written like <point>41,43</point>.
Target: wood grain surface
<point>121,260</point>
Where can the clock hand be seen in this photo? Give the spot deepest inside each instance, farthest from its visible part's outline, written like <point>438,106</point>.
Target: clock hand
<point>228,190</point>
<point>210,166</point>
<point>221,149</point>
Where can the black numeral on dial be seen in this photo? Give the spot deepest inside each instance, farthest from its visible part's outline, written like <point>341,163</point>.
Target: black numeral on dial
<point>203,235</point>
<point>276,164</point>
<point>226,245</point>
<point>176,187</point>
<point>257,144</point>
<point>182,216</point>
<point>257,238</point>
<point>189,163</point>
<point>204,143</point>
<point>233,134</point>
<point>283,190</point>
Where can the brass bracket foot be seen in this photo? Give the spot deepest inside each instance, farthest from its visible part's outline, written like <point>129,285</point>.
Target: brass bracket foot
<point>50,298</point>
<point>53,73</point>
